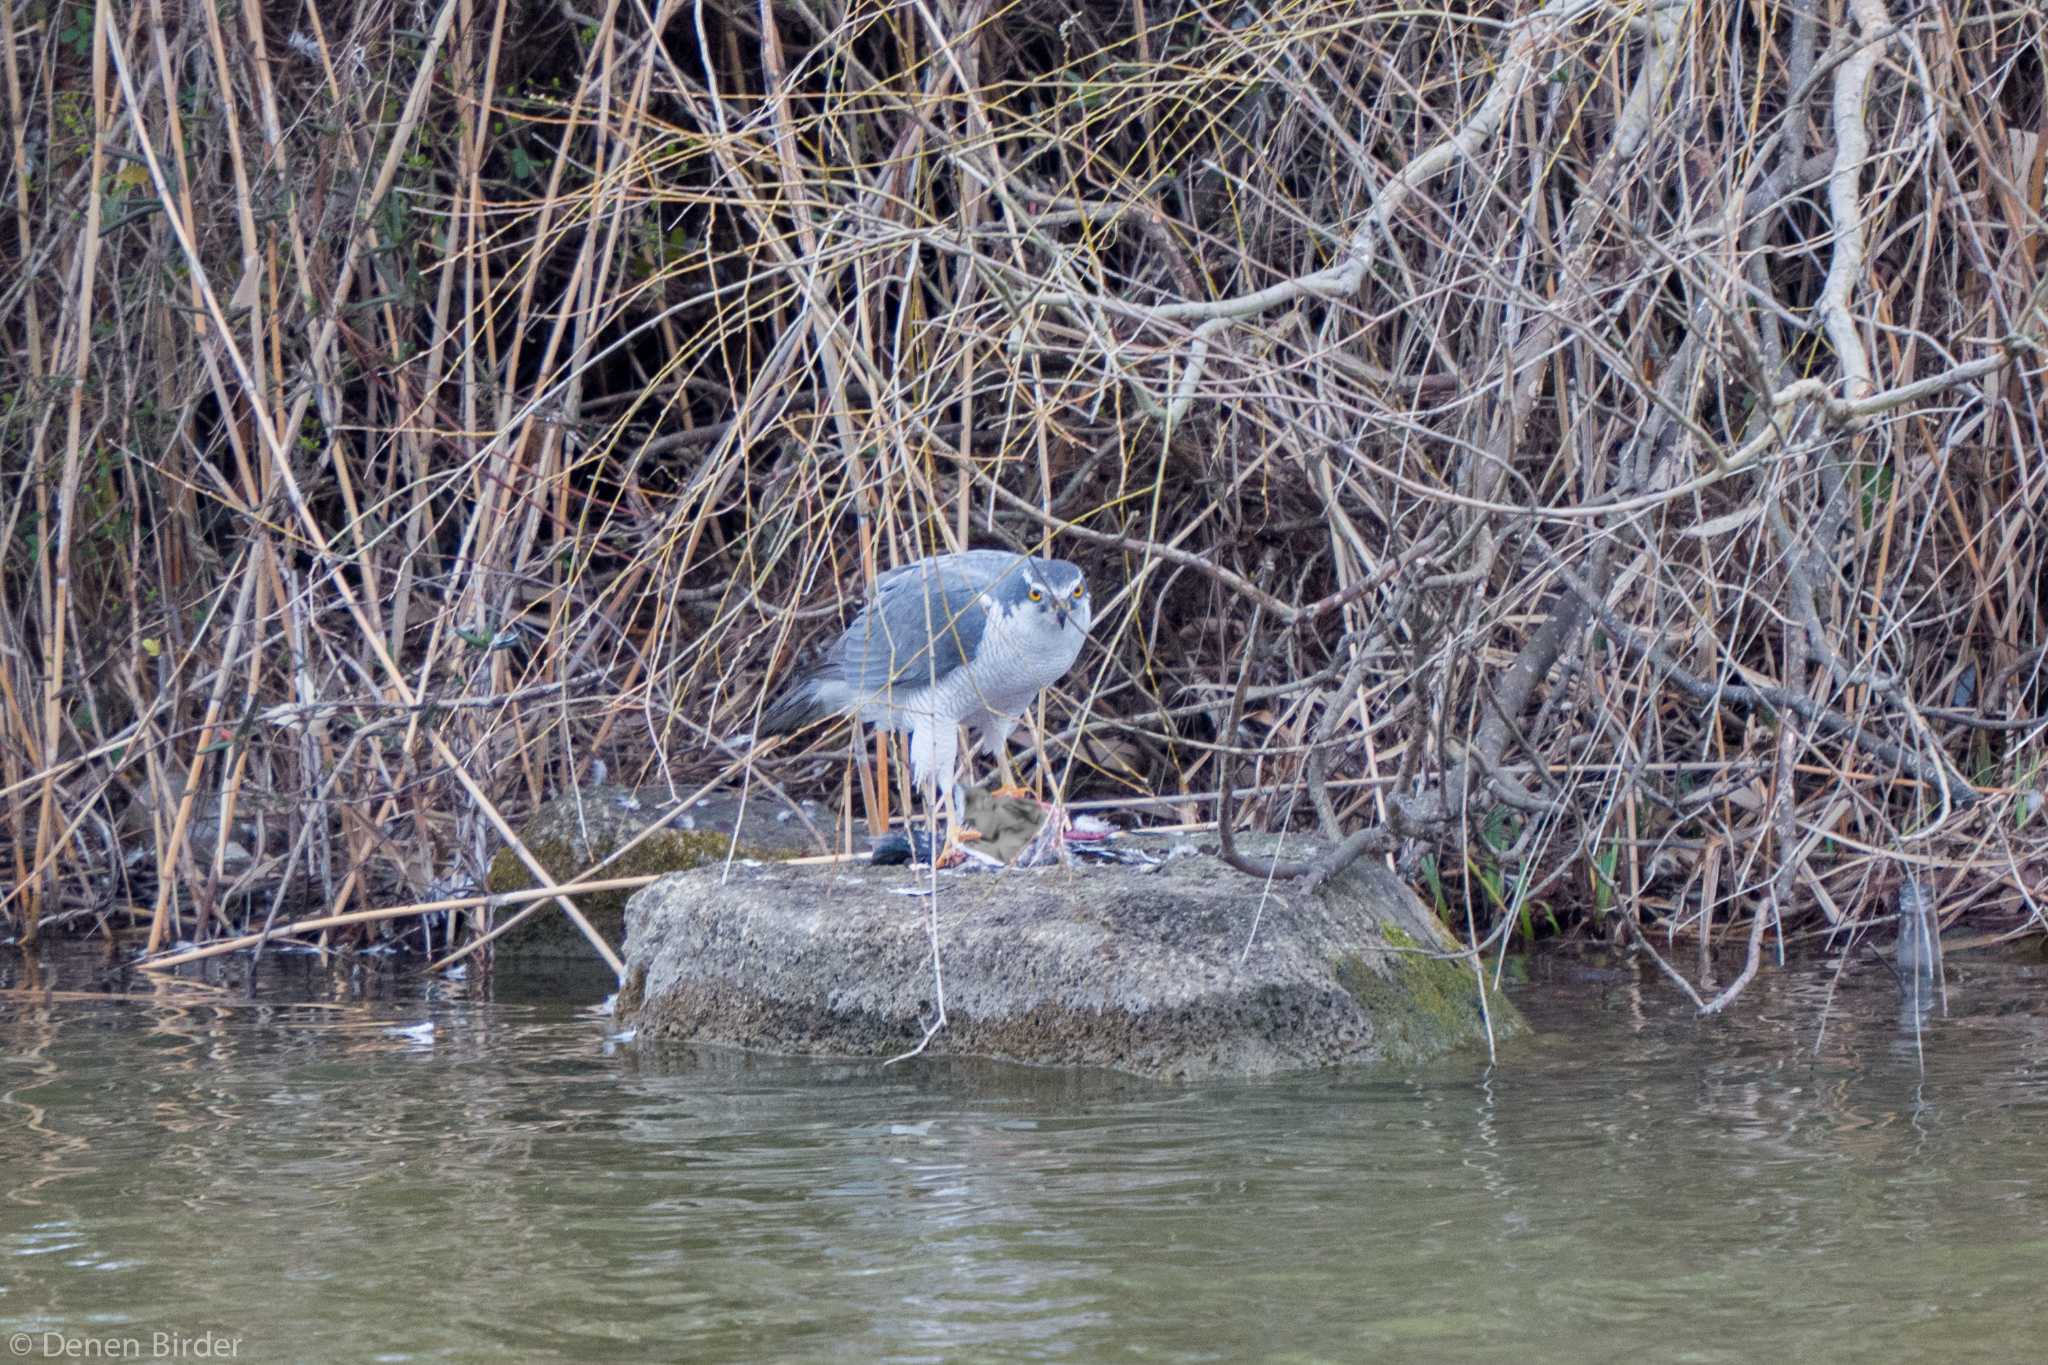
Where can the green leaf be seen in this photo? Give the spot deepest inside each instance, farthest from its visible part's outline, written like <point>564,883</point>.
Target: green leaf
<point>1603,875</point>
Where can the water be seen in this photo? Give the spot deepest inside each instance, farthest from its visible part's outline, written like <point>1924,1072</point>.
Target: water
<point>329,1180</point>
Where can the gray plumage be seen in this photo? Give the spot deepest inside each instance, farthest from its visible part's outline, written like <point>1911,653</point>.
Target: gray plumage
<point>959,639</point>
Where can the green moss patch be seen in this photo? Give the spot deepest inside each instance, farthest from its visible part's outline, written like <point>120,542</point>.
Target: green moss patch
<point>1420,1003</point>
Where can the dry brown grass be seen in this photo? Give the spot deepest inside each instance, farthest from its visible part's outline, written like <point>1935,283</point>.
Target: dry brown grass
<point>1626,420</point>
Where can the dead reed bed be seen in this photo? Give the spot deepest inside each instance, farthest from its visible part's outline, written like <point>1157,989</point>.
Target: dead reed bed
<point>1591,451</point>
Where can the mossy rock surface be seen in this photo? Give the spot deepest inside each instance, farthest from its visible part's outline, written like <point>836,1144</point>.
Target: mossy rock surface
<point>570,833</point>
<point>1159,971</point>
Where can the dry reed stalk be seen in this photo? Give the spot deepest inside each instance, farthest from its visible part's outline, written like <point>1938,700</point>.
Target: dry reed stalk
<point>1640,412</point>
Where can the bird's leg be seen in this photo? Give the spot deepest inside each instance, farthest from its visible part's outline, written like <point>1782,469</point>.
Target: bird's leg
<point>934,764</point>
<point>1006,776</point>
<point>999,740</point>
<point>958,831</point>
<point>945,810</point>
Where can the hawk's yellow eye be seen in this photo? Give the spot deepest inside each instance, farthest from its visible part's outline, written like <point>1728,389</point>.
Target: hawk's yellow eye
<point>1079,590</point>
<point>1037,596</point>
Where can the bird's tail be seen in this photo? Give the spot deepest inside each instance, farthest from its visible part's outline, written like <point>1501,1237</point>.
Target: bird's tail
<point>802,703</point>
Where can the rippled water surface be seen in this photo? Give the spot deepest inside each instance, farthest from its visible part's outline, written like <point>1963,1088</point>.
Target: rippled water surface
<point>320,1176</point>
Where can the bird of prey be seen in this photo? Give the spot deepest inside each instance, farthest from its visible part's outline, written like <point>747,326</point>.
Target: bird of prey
<point>957,639</point>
